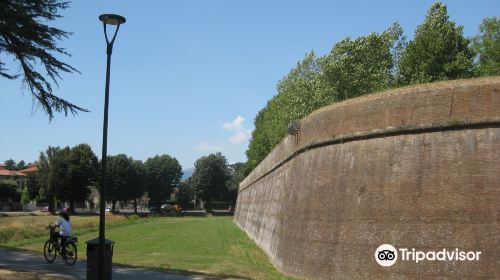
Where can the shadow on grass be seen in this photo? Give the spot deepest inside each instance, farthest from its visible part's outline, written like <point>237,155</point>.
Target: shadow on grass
<point>31,261</point>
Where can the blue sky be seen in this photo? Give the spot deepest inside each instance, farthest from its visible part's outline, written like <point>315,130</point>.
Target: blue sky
<point>188,77</point>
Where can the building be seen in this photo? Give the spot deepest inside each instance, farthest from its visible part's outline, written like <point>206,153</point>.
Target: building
<point>19,176</point>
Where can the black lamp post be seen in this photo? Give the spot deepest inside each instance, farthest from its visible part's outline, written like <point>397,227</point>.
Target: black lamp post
<point>111,20</point>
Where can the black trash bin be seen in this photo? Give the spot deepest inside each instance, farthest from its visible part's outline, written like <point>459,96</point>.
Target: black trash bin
<point>93,259</point>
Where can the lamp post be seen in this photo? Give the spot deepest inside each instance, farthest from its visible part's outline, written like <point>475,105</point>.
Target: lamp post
<point>107,19</point>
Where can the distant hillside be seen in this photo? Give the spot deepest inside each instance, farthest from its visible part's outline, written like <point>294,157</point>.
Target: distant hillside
<point>187,173</point>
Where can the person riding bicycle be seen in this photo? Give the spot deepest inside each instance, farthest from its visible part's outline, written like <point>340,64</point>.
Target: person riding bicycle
<point>65,232</point>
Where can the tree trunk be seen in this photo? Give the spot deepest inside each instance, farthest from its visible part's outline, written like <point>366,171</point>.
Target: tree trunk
<point>72,207</point>
<point>135,205</point>
<point>113,206</point>
<point>51,204</point>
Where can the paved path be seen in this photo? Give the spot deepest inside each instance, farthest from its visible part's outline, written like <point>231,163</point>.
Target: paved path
<point>32,262</point>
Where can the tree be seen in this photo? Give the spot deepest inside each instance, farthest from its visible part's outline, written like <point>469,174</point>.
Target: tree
<point>8,191</point>
<point>21,165</point>
<point>487,47</point>
<point>53,174</point>
<point>295,99</point>
<point>138,180</point>
<point>372,63</point>
<point>360,66</point>
<point>183,195</point>
<point>10,164</point>
<point>164,174</point>
<point>237,174</point>
<point>64,174</point>
<point>25,197</point>
<point>26,36</point>
<point>46,191</point>
<point>354,67</point>
<point>82,172</point>
<point>117,179</point>
<point>125,180</point>
<point>33,186</point>
<point>210,177</point>
<point>59,173</point>
<point>439,51</point>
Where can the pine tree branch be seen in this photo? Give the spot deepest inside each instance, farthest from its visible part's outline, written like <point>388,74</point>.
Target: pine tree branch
<point>24,36</point>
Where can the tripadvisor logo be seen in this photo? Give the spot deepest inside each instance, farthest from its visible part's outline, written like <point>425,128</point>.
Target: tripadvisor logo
<point>387,255</point>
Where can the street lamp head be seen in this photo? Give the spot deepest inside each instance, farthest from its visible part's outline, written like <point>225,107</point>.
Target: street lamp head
<point>112,19</point>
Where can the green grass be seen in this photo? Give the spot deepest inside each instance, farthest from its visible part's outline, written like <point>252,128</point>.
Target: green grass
<point>16,231</point>
<point>212,245</point>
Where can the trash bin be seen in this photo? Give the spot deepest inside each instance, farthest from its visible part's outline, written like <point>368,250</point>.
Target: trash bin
<point>93,259</point>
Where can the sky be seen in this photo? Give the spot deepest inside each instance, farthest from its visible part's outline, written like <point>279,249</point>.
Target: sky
<point>188,77</point>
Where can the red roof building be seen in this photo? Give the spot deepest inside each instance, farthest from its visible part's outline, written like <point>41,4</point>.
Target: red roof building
<point>30,169</point>
<point>5,172</point>
<point>17,175</point>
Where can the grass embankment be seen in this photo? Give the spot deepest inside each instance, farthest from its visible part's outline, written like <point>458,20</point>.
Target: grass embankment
<point>16,231</point>
<point>212,245</point>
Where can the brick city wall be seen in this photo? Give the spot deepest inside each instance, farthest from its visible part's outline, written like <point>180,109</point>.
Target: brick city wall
<point>416,167</point>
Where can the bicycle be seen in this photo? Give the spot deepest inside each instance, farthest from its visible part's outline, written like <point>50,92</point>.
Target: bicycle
<point>54,246</point>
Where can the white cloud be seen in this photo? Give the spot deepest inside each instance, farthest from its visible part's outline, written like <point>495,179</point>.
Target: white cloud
<point>236,124</point>
<point>240,136</point>
<point>240,133</point>
<point>205,146</point>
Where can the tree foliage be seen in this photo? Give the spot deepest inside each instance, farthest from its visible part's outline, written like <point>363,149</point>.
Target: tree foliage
<point>295,99</point>
<point>53,171</point>
<point>359,66</point>
<point>21,165</point>
<point>33,186</point>
<point>10,164</point>
<point>439,51</point>
<point>164,174</point>
<point>8,191</point>
<point>353,67</point>
<point>126,179</point>
<point>25,197</point>
<point>117,178</point>
<point>210,177</point>
<point>26,36</point>
<point>487,46</point>
<point>82,171</point>
<point>237,174</point>
<point>376,62</point>
<point>183,195</point>
<point>138,181</point>
<point>65,174</point>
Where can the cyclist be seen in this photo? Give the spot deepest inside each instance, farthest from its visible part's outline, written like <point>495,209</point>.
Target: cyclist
<point>65,232</point>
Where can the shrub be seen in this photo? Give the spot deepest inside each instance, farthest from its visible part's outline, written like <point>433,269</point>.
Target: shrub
<point>8,191</point>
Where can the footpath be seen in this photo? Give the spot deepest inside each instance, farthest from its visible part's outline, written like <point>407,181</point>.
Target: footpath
<point>34,264</point>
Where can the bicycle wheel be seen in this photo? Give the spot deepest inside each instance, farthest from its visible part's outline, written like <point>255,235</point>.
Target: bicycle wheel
<point>49,251</point>
<point>71,254</point>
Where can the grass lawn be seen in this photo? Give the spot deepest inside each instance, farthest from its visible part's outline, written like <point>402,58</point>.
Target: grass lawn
<point>16,231</point>
<point>212,245</point>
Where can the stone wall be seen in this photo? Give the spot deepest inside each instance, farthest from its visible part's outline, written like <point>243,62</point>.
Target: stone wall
<point>417,167</point>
